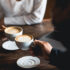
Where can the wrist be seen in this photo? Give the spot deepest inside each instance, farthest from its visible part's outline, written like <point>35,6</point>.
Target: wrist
<point>48,48</point>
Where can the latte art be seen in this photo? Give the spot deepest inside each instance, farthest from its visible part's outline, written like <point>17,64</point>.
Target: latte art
<point>23,38</point>
<point>24,41</point>
<point>12,30</point>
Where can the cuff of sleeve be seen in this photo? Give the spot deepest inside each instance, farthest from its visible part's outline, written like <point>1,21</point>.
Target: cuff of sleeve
<point>53,56</point>
<point>14,21</point>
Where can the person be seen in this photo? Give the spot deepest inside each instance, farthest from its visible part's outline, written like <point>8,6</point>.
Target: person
<point>22,12</point>
<point>61,22</point>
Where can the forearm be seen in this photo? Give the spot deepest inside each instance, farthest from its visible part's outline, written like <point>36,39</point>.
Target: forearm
<point>59,58</point>
<point>22,20</point>
<point>14,21</point>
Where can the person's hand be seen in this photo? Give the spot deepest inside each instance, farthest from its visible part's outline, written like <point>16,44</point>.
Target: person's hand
<point>45,47</point>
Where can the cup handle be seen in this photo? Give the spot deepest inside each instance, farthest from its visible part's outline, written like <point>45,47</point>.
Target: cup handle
<point>3,26</point>
<point>32,44</point>
<point>36,49</point>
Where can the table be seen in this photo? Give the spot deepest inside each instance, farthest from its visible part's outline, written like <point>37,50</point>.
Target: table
<point>8,58</point>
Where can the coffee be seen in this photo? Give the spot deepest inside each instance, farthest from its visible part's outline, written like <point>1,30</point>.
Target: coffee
<point>24,41</point>
<point>23,38</point>
<point>13,30</point>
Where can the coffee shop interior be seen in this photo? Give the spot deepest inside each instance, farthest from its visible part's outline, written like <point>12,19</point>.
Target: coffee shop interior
<point>32,41</point>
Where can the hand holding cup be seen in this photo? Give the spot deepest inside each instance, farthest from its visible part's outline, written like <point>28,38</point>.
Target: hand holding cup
<point>41,48</point>
<point>24,41</point>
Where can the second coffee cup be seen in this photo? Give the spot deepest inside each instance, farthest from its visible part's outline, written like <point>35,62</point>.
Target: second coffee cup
<point>24,41</point>
<point>13,31</point>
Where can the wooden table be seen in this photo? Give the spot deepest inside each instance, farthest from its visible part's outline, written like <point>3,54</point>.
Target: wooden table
<point>8,58</point>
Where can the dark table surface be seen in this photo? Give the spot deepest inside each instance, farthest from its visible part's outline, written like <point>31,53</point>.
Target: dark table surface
<point>8,58</point>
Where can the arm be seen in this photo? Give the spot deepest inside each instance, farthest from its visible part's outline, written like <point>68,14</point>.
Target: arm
<point>60,59</point>
<point>36,15</point>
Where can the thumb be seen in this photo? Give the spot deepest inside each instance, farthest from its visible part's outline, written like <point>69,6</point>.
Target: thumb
<point>39,41</point>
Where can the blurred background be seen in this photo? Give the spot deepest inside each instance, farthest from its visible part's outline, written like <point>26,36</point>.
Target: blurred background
<point>50,4</point>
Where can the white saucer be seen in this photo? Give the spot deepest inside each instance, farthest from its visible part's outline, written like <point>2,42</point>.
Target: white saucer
<point>28,62</point>
<point>10,45</point>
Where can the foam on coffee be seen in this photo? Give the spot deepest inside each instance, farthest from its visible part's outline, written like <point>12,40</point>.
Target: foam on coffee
<point>23,38</point>
<point>12,30</point>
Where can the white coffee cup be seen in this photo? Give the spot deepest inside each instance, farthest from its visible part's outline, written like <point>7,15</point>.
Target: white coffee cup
<point>13,31</point>
<point>24,41</point>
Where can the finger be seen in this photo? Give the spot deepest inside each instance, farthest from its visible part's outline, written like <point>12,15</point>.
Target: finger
<point>38,42</point>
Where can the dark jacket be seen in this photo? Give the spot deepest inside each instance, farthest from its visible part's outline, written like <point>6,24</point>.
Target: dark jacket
<point>61,22</point>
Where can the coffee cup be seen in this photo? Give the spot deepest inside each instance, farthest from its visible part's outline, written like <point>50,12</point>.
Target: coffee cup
<point>24,41</point>
<point>13,31</point>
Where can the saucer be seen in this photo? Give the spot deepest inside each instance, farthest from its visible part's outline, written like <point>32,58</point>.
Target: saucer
<point>28,62</point>
<point>10,45</point>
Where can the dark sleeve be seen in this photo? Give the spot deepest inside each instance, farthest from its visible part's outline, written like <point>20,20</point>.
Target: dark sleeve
<point>60,59</point>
